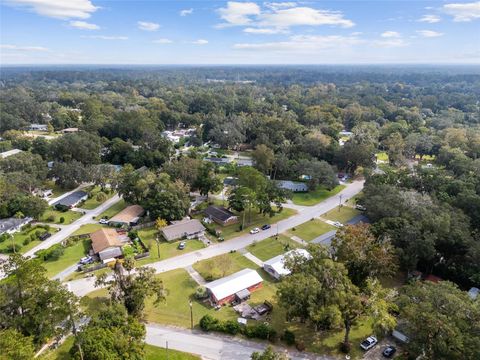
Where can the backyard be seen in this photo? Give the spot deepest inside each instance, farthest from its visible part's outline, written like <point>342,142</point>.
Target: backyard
<point>314,197</point>
<point>271,247</point>
<point>311,229</point>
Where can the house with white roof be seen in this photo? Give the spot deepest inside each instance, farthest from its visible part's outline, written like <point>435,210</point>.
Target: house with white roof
<point>276,266</point>
<point>237,286</point>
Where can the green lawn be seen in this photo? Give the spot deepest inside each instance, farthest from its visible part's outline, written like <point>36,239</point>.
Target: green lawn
<point>69,216</point>
<point>91,202</point>
<point>342,214</point>
<point>314,197</point>
<point>88,228</point>
<point>271,247</point>
<point>70,257</point>
<point>151,353</point>
<point>311,229</point>
<point>257,220</point>
<point>56,190</point>
<point>222,265</point>
<point>167,249</point>
<point>19,237</point>
<point>113,210</point>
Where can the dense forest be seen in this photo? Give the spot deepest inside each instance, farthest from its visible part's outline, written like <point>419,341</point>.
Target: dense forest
<point>293,117</point>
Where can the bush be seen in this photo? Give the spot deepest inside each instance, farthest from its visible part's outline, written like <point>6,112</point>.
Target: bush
<point>128,251</point>
<point>62,220</point>
<point>288,337</point>
<point>27,241</point>
<point>232,327</point>
<point>201,293</point>
<point>300,345</point>
<point>10,248</point>
<point>208,323</point>
<point>261,331</point>
<point>51,218</point>
<point>52,253</point>
<point>345,347</point>
<point>33,237</point>
<point>4,237</point>
<point>38,233</point>
<point>62,208</point>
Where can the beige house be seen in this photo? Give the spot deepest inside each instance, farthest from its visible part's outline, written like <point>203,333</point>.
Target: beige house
<point>186,229</point>
<point>128,216</point>
<point>108,243</point>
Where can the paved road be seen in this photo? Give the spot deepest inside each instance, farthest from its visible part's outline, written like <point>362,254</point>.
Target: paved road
<point>67,230</point>
<point>213,346</point>
<point>83,286</point>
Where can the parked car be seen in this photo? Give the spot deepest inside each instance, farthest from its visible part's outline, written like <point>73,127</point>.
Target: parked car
<point>266,227</point>
<point>389,351</point>
<point>255,231</point>
<point>360,207</point>
<point>44,236</point>
<point>86,260</point>
<point>368,343</point>
<point>182,245</point>
<point>338,224</point>
<point>103,221</point>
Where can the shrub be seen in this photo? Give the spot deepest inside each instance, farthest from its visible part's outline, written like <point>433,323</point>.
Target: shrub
<point>38,233</point>
<point>52,253</point>
<point>201,293</point>
<point>10,248</point>
<point>208,323</point>
<point>261,331</point>
<point>62,208</point>
<point>62,220</point>
<point>4,237</point>
<point>345,347</point>
<point>232,327</point>
<point>27,241</point>
<point>51,218</point>
<point>128,251</point>
<point>288,337</point>
<point>300,345</point>
<point>33,237</point>
<point>133,234</point>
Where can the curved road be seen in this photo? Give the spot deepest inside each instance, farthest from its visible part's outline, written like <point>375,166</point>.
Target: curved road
<point>83,286</point>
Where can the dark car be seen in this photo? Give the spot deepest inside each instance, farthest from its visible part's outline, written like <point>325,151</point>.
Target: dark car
<point>44,236</point>
<point>389,351</point>
<point>266,227</point>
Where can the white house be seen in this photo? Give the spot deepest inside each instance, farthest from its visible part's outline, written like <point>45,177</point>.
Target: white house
<point>237,286</point>
<point>12,225</point>
<point>276,266</point>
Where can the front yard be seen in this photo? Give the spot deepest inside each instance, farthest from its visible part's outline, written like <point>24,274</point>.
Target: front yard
<point>311,229</point>
<point>55,216</point>
<point>113,210</point>
<point>271,247</point>
<point>222,265</point>
<point>342,214</point>
<point>92,202</point>
<point>314,197</point>
<point>23,241</point>
<point>71,256</point>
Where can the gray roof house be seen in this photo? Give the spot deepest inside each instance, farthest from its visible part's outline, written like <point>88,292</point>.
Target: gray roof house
<point>189,229</point>
<point>12,225</point>
<point>72,199</point>
<point>38,127</point>
<point>220,215</point>
<point>295,186</point>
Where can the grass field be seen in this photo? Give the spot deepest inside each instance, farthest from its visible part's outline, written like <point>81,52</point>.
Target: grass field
<point>113,210</point>
<point>70,257</point>
<point>151,353</point>
<point>222,265</point>
<point>167,249</point>
<point>342,214</point>
<point>88,228</point>
<point>314,197</point>
<point>311,229</point>
<point>20,236</point>
<point>69,216</point>
<point>271,247</point>
<point>92,203</point>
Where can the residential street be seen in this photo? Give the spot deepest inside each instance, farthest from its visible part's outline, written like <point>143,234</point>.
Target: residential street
<point>83,286</point>
<point>67,230</point>
<point>213,347</point>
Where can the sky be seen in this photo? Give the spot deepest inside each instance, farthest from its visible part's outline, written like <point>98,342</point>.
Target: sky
<point>239,32</point>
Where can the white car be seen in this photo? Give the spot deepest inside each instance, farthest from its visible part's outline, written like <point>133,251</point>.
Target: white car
<point>368,343</point>
<point>103,221</point>
<point>255,231</point>
<point>337,224</point>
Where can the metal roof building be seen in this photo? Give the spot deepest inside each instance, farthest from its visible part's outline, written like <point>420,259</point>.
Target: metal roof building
<point>224,290</point>
<point>276,266</point>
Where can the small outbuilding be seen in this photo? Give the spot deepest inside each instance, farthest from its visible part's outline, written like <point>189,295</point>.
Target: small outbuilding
<point>236,287</point>
<point>185,229</point>
<point>8,153</point>
<point>38,127</point>
<point>220,215</point>
<point>276,266</point>
<point>129,216</point>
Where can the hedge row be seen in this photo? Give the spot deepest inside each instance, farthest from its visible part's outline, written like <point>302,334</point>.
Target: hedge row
<point>259,331</point>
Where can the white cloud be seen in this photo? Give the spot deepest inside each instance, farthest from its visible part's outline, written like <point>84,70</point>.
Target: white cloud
<point>303,43</point>
<point>105,37</point>
<point>298,16</point>
<point>430,19</point>
<point>238,13</point>
<point>429,33</point>
<point>392,42</point>
<point>83,25</point>
<point>264,31</point>
<point>200,42</point>
<point>390,34</point>
<point>163,41</point>
<point>463,11</point>
<point>186,12</point>
<point>280,5</point>
<point>148,26</point>
<point>62,9</point>
<point>23,48</point>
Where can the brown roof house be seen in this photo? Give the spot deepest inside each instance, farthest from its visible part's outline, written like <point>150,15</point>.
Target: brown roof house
<point>108,243</point>
<point>220,215</point>
<point>185,229</point>
<point>128,216</point>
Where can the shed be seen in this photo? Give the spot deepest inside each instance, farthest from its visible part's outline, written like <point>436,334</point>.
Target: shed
<point>221,215</point>
<point>224,290</point>
<point>183,229</point>
<point>276,266</point>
